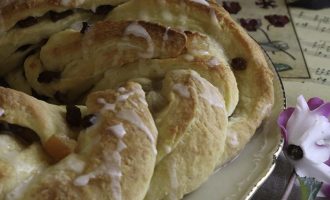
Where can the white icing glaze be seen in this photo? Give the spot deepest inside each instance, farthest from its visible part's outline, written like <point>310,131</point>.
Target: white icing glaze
<point>214,18</point>
<point>122,90</point>
<point>167,149</point>
<point>182,90</point>
<point>132,117</point>
<point>210,93</point>
<point>75,164</point>
<point>139,31</point>
<point>2,112</point>
<point>83,180</point>
<point>233,139</point>
<point>203,2</point>
<point>124,97</point>
<point>72,2</point>
<point>165,36</point>
<point>200,52</point>
<point>106,105</point>
<point>173,180</point>
<point>214,61</point>
<point>188,57</point>
<point>18,192</point>
<point>111,165</point>
<point>118,130</point>
<point>77,26</point>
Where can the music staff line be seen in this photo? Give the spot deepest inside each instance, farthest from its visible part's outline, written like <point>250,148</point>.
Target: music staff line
<point>317,48</point>
<point>322,75</point>
<point>318,27</point>
<point>314,18</point>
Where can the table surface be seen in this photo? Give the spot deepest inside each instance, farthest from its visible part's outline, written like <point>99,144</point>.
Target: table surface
<point>302,61</point>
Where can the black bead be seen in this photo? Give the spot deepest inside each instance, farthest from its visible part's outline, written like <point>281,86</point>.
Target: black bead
<point>295,152</point>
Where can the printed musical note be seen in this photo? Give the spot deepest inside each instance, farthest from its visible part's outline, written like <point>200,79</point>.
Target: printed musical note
<point>313,29</point>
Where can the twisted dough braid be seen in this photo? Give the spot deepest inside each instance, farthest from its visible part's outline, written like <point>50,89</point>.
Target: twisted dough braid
<point>167,91</point>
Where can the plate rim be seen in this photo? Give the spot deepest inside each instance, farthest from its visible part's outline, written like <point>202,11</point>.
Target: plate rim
<point>280,146</point>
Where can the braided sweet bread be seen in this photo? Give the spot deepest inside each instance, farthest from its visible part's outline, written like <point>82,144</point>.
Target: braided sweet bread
<point>115,99</point>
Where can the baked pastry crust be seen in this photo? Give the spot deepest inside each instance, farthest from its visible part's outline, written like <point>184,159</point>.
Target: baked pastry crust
<point>178,91</point>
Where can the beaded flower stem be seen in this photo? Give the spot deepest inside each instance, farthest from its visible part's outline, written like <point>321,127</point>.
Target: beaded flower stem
<point>289,186</point>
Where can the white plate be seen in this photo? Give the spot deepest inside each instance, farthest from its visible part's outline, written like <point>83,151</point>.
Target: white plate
<point>243,176</point>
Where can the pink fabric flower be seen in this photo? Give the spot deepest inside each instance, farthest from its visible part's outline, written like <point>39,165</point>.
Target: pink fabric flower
<point>306,132</point>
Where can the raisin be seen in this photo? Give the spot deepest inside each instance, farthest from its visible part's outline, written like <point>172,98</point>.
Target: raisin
<point>88,121</point>
<point>104,9</point>
<point>27,22</point>
<point>295,152</point>
<point>55,16</point>
<point>73,115</point>
<point>238,63</point>
<point>48,76</point>
<point>26,134</point>
<point>84,28</point>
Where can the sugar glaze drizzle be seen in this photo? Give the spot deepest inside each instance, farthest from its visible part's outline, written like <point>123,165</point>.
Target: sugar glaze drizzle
<point>139,31</point>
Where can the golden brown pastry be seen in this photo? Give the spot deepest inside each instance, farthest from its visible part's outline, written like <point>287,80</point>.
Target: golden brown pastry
<point>168,90</point>
<point>26,25</point>
<point>254,78</point>
<point>115,156</point>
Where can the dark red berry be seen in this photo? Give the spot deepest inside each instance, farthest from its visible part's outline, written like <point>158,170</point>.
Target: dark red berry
<point>238,63</point>
<point>55,16</point>
<point>73,115</point>
<point>27,22</point>
<point>104,9</point>
<point>84,28</point>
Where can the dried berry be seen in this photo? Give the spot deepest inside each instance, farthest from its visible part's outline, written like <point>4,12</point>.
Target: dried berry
<point>55,16</point>
<point>295,152</point>
<point>238,63</point>
<point>26,134</point>
<point>73,115</point>
<point>27,22</point>
<point>48,76</point>
<point>103,10</point>
<point>84,28</point>
<point>88,121</point>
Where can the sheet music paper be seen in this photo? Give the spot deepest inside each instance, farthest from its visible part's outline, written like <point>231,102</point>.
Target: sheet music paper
<point>313,29</point>
<point>269,23</point>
